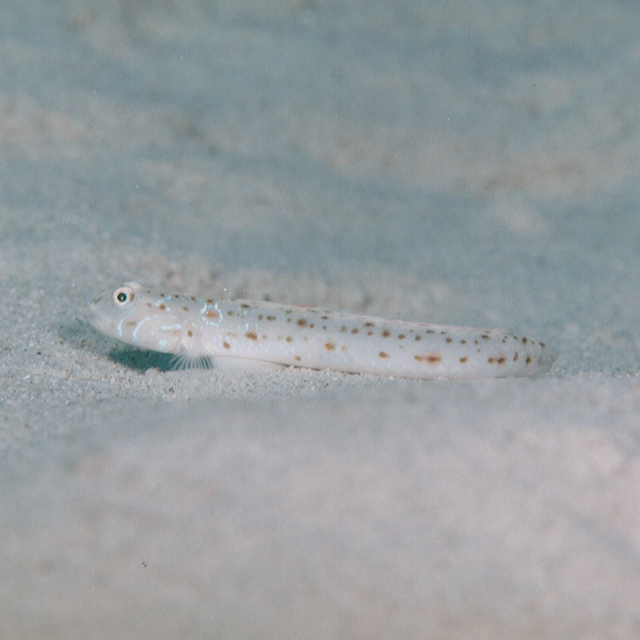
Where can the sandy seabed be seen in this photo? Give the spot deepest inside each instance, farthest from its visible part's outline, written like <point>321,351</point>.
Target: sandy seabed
<point>472,164</point>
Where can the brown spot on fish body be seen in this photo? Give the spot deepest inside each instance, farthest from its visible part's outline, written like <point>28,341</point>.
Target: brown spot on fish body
<point>260,316</point>
<point>208,301</point>
<point>251,335</point>
<point>190,333</point>
<point>418,338</point>
<point>502,360</point>
<point>382,354</point>
<point>516,355</point>
<point>528,360</point>
<point>270,318</point>
<point>289,339</point>
<point>343,329</point>
<point>369,324</point>
<point>302,322</point>
<point>464,359</point>
<point>449,340</point>
<point>385,334</point>
<point>354,331</point>
<point>212,314</point>
<point>297,358</point>
<point>329,346</point>
<point>401,336</point>
<point>162,307</point>
<point>484,336</point>
<point>226,345</point>
<point>185,308</point>
<point>245,306</point>
<point>431,358</point>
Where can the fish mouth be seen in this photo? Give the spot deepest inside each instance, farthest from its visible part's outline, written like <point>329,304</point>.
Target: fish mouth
<point>94,316</point>
<point>100,324</point>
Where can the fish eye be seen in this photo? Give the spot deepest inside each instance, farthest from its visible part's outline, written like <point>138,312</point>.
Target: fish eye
<point>123,296</point>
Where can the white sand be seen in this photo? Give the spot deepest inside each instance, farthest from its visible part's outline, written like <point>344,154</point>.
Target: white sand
<point>474,163</point>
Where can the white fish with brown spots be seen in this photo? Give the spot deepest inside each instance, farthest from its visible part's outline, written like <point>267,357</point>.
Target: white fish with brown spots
<point>197,331</point>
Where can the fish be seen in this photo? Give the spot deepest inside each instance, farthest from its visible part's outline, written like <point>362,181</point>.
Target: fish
<point>202,332</point>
